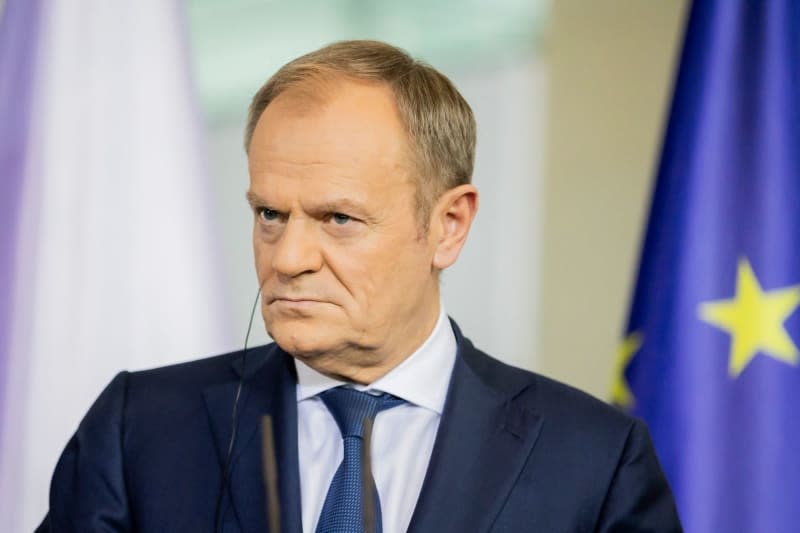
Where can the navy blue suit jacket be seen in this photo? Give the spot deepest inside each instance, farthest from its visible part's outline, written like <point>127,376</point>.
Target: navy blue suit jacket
<point>515,452</point>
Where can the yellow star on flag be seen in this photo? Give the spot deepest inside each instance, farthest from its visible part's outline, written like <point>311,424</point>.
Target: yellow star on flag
<point>754,319</point>
<point>620,392</point>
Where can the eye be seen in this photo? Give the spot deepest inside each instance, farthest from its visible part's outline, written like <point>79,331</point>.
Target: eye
<point>267,214</point>
<point>340,218</point>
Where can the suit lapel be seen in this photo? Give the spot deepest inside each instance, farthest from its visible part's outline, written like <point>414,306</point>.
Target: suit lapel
<point>268,389</point>
<point>482,444</point>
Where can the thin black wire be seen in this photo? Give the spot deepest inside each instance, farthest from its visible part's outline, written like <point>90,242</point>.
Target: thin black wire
<point>225,484</point>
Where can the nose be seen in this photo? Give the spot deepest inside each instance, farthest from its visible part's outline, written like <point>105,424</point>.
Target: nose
<point>297,250</point>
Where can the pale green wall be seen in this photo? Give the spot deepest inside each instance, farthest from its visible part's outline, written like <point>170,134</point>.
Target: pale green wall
<point>237,44</point>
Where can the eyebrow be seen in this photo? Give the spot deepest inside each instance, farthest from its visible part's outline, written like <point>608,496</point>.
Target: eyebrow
<point>335,206</point>
<point>253,199</point>
<point>328,206</point>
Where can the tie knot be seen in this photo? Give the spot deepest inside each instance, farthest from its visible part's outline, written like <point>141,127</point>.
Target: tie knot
<point>350,407</point>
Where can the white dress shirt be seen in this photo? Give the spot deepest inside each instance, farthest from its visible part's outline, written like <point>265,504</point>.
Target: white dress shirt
<point>402,437</point>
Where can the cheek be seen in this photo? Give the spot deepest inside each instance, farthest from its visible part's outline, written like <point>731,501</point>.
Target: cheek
<point>262,253</point>
<point>263,266</point>
<point>381,279</point>
<point>353,272</point>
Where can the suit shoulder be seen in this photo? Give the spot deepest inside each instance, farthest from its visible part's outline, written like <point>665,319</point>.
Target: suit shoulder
<point>204,371</point>
<point>559,399</point>
<point>182,383</point>
<point>548,397</point>
<point>591,462</point>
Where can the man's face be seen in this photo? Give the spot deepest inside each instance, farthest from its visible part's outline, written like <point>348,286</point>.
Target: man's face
<point>347,279</point>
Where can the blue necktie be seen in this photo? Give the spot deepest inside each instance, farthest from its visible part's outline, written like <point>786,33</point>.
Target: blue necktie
<point>343,510</point>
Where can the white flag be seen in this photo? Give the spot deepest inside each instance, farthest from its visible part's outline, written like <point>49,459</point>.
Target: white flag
<point>116,257</point>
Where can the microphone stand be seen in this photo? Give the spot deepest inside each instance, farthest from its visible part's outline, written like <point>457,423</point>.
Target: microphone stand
<point>269,464</point>
<point>270,474</point>
<point>367,498</point>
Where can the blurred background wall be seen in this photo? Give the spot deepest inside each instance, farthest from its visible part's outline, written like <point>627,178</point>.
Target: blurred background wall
<point>610,66</point>
<point>570,98</point>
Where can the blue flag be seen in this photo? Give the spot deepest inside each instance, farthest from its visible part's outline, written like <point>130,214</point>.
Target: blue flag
<point>710,359</point>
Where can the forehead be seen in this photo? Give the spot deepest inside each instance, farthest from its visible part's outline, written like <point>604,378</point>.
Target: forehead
<point>341,122</point>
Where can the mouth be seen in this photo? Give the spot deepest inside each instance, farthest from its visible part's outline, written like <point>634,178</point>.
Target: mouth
<point>294,300</point>
<point>296,305</point>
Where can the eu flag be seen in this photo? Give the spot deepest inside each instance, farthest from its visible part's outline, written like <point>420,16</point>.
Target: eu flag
<point>710,359</point>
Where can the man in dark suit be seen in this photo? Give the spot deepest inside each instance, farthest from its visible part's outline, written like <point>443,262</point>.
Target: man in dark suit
<point>360,164</point>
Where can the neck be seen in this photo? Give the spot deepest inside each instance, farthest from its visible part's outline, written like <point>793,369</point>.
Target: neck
<point>365,367</point>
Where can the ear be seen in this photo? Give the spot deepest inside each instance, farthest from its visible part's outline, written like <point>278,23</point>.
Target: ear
<point>451,219</point>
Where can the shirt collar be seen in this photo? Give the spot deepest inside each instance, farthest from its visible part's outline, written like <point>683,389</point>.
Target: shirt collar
<point>421,379</point>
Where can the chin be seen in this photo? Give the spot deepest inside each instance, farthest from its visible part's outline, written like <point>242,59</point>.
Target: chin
<point>300,338</point>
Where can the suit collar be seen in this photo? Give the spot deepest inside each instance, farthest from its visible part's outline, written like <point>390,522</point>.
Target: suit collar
<point>483,442</point>
<point>268,388</point>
